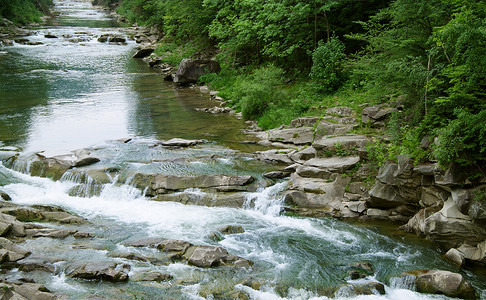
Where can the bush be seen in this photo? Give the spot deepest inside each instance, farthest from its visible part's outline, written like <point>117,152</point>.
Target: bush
<point>327,60</point>
<point>463,141</point>
<point>252,94</point>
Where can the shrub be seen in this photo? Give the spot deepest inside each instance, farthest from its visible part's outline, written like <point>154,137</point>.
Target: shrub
<point>327,60</point>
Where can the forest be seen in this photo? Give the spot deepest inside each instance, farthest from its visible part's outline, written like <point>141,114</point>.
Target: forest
<point>282,59</point>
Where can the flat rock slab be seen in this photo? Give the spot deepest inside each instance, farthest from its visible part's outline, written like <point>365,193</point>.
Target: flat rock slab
<point>177,142</point>
<point>204,181</point>
<point>334,164</point>
<point>296,136</point>
<point>345,142</point>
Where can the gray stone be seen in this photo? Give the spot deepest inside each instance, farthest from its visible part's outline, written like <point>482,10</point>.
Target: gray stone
<point>208,256</point>
<point>231,229</point>
<point>178,142</point>
<point>296,136</point>
<point>342,111</point>
<point>168,182</point>
<point>274,156</point>
<point>276,174</point>
<point>151,276</point>
<point>304,122</point>
<point>325,128</point>
<point>144,51</point>
<point>303,155</point>
<point>34,291</point>
<point>314,172</point>
<point>443,282</point>
<point>334,164</point>
<point>455,256</point>
<point>190,70</point>
<point>385,196</point>
<point>108,271</point>
<point>348,143</point>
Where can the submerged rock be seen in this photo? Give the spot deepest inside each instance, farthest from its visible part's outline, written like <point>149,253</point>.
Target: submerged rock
<point>178,142</point>
<point>151,276</point>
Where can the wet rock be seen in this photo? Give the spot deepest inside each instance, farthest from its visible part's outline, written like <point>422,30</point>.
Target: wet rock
<point>167,182</point>
<point>149,242</point>
<point>274,156</point>
<point>475,253</point>
<point>443,282</point>
<point>108,271</point>
<point>11,225</point>
<point>144,52</point>
<point>49,168</point>
<point>231,229</point>
<point>35,264</point>
<point>112,38</point>
<point>359,270</point>
<point>177,142</point>
<point>5,196</point>
<point>456,257</point>
<point>151,276</point>
<point>206,199</point>
<point>208,256</point>
<point>50,36</point>
<point>34,291</point>
<point>190,70</point>
<point>15,252</point>
<point>276,175</point>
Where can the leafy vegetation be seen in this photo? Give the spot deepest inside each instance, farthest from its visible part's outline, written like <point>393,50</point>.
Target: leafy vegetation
<point>284,59</point>
<point>24,11</point>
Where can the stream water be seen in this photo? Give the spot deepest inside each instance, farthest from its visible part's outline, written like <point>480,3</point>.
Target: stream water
<point>74,92</point>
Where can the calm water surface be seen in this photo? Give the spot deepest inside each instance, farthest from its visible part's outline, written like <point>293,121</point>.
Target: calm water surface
<point>75,92</point>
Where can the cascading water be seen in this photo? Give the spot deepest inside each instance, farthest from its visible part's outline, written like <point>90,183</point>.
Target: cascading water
<point>90,94</point>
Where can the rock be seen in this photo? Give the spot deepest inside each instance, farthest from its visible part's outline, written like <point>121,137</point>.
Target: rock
<point>448,226</point>
<point>296,136</point>
<point>50,168</point>
<point>150,242</point>
<point>360,270</point>
<point>174,246</point>
<point>325,128</point>
<point>205,199</point>
<point>11,225</point>
<point>304,122</point>
<point>107,271</point>
<point>342,111</point>
<point>377,213</point>
<point>276,175</point>
<point>112,38</point>
<point>385,196</point>
<point>274,156</point>
<point>456,257</point>
<point>190,70</point>
<point>208,256</point>
<point>29,265</point>
<point>303,155</point>
<point>373,114</point>
<point>151,276</point>
<point>15,252</point>
<point>5,196</point>
<point>443,282</point>
<point>474,253</point>
<point>231,229</point>
<point>144,52</point>
<point>177,142</point>
<point>167,182</point>
<point>313,172</point>
<point>50,36</point>
<point>335,164</point>
<point>34,291</point>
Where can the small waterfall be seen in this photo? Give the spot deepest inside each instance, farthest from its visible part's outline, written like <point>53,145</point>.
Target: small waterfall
<point>268,201</point>
<point>405,282</point>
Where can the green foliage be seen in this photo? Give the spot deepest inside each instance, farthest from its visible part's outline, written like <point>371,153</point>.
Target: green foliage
<point>254,93</point>
<point>24,11</point>
<point>327,61</point>
<point>463,140</point>
<point>172,53</point>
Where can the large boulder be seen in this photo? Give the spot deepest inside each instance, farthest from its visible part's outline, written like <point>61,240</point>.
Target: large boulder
<point>336,164</point>
<point>442,282</point>
<point>190,70</point>
<point>296,136</point>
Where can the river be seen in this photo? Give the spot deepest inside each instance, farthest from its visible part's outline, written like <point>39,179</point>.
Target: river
<point>74,92</point>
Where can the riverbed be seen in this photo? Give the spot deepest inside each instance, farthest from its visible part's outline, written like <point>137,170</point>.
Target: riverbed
<point>71,91</point>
